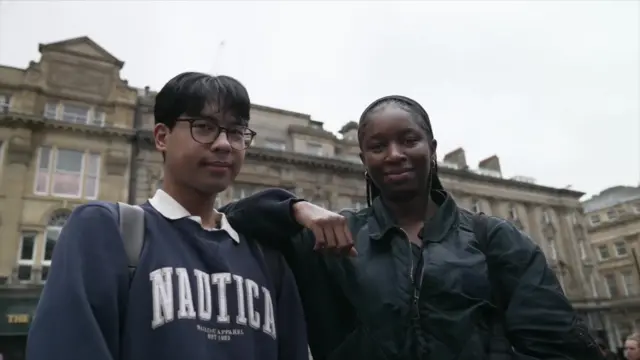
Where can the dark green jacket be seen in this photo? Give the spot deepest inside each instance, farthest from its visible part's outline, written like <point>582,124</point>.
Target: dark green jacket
<point>394,301</point>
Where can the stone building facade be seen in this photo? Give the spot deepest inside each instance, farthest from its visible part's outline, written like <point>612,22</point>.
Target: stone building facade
<point>613,219</point>
<point>66,129</point>
<point>72,130</point>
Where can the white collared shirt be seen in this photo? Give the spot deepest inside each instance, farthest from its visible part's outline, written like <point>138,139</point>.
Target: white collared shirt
<point>168,207</point>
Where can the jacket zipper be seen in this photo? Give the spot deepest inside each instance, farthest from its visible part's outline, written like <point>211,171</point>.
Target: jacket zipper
<point>416,292</point>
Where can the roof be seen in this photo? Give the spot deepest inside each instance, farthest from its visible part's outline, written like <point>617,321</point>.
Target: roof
<point>611,197</point>
<point>82,46</point>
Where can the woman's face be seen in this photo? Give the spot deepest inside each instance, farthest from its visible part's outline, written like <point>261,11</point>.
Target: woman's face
<point>396,152</point>
<point>631,350</point>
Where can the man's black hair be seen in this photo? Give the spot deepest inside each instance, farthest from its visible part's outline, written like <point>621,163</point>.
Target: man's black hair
<point>189,92</point>
<point>419,115</point>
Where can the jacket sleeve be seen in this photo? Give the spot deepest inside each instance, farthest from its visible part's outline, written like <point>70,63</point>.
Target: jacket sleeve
<point>539,319</point>
<point>263,215</point>
<point>80,307</point>
<point>328,314</point>
<point>291,327</point>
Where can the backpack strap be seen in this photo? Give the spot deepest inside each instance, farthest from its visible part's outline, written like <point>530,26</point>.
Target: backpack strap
<point>273,262</point>
<point>132,232</point>
<point>499,346</point>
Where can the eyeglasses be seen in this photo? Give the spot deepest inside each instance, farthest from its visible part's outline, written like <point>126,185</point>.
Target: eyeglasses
<point>206,131</point>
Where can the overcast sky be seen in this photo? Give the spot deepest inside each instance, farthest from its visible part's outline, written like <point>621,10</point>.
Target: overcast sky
<point>551,87</point>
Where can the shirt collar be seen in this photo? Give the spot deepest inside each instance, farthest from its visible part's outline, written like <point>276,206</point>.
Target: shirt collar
<point>168,207</point>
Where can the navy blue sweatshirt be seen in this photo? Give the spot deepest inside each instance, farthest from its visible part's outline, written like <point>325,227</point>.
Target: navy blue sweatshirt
<point>196,294</point>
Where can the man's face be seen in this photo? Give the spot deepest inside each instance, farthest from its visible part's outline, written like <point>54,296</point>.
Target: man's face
<point>205,152</point>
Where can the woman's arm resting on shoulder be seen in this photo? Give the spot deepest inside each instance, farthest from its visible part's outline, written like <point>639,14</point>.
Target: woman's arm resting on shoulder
<point>275,214</point>
<point>539,319</point>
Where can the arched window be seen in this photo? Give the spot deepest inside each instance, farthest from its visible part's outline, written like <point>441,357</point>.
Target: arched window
<point>54,227</point>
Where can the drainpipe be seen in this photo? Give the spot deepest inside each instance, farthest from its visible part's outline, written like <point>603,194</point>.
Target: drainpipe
<point>135,150</point>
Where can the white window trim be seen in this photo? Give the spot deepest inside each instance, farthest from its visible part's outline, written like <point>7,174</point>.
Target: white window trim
<point>43,261</point>
<point>276,145</point>
<point>625,286</point>
<point>607,284</point>
<point>316,146</point>
<point>615,247</point>
<point>27,262</point>
<point>53,158</point>
<point>600,253</point>
<point>594,286</point>
<point>85,158</point>
<point>95,117</point>
<point>7,104</point>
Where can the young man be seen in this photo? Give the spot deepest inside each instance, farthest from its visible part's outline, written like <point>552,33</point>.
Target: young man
<point>201,289</point>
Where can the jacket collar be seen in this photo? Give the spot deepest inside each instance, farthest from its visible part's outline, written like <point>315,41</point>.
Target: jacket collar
<point>382,221</point>
<point>171,209</point>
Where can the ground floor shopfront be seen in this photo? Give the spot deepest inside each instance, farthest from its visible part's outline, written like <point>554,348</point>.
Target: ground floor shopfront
<point>17,308</point>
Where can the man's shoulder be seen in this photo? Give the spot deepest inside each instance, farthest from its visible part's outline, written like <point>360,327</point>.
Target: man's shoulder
<point>96,211</point>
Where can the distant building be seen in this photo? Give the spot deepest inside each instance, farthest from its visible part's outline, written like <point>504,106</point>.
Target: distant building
<point>613,218</point>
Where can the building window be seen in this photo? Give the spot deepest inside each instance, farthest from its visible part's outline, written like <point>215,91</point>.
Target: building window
<point>546,217</point>
<point>513,213</point>
<point>603,252</point>
<point>67,173</point>
<point>2,150</point>
<point>359,205</point>
<point>476,206</point>
<point>51,234</point>
<point>594,219</point>
<point>5,103</point>
<point>594,285</point>
<point>636,207</point>
<point>628,283</point>
<point>621,248</point>
<point>612,285</point>
<point>275,145</point>
<point>315,149</point>
<point>76,114</point>
<point>26,256</point>
<point>612,215</point>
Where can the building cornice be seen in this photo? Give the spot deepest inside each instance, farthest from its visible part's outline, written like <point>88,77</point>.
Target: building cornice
<point>31,121</point>
<point>620,222</point>
<point>145,137</point>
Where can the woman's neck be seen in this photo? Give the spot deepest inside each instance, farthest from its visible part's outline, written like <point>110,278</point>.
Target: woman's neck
<point>412,212</point>
<point>195,202</point>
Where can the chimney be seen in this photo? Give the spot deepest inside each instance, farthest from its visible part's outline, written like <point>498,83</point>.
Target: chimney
<point>491,163</point>
<point>457,157</point>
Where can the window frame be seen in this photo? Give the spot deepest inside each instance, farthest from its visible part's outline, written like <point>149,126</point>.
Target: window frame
<point>611,279</point>
<point>476,206</point>
<point>513,213</point>
<point>319,147</point>
<point>603,258</point>
<point>5,106</point>
<point>94,117</point>
<point>27,262</point>
<point>595,219</point>
<point>51,172</point>
<point>624,246</point>
<point>628,288</point>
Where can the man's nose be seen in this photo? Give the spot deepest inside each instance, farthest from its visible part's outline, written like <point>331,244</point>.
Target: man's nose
<point>221,143</point>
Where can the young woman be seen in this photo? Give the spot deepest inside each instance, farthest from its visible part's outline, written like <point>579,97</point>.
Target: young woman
<point>431,280</point>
